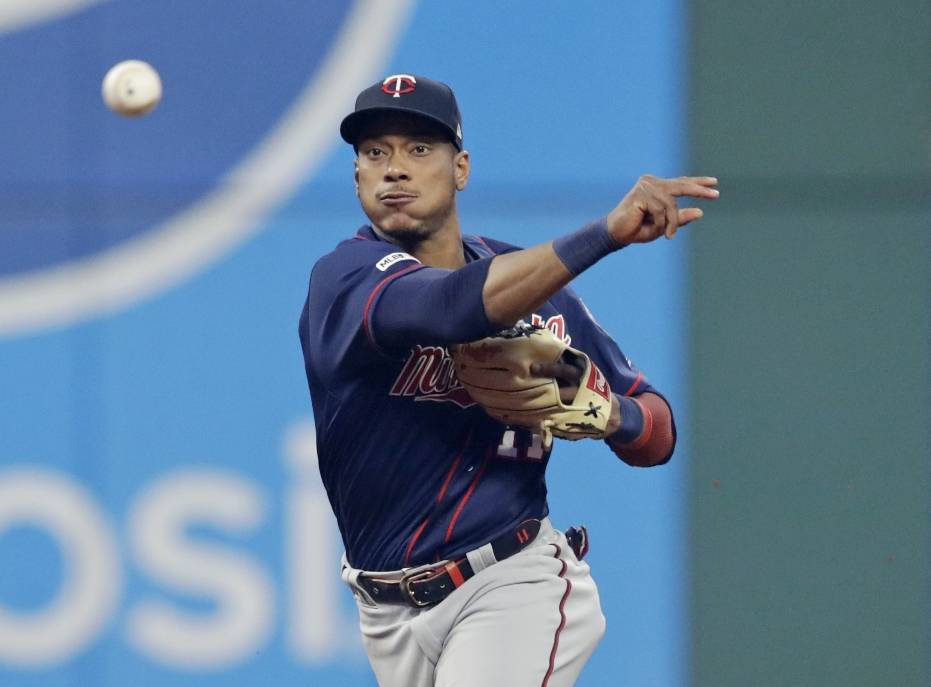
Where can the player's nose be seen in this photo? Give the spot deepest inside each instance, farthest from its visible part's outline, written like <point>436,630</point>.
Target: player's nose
<point>396,172</point>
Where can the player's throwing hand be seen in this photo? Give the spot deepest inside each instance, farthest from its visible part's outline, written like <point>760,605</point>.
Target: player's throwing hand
<point>649,210</point>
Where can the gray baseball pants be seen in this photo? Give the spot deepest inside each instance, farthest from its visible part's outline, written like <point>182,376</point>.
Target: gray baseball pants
<point>531,620</point>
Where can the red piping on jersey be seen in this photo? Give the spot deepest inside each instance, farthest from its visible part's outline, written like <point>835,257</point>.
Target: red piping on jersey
<point>634,385</point>
<point>414,538</point>
<point>371,300</point>
<point>562,619</point>
<point>467,496</point>
<point>449,477</point>
<point>438,500</point>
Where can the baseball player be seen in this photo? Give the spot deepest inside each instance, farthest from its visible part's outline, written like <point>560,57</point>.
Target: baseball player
<point>458,574</point>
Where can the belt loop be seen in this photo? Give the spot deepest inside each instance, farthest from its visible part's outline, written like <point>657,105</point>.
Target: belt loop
<point>454,574</point>
<point>481,558</point>
<point>351,577</point>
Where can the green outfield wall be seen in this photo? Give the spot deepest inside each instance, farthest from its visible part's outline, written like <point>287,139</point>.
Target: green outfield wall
<point>810,501</point>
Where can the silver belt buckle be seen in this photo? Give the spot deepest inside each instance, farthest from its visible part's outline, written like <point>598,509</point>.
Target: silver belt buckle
<point>416,575</point>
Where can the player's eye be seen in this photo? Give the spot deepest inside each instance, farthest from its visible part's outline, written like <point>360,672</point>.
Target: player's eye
<point>421,149</point>
<point>374,152</point>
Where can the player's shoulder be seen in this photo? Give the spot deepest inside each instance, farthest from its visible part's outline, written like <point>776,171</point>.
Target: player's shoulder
<point>363,252</point>
<point>487,247</point>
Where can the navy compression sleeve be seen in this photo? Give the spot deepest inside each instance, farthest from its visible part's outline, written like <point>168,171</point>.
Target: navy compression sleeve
<point>431,306</point>
<point>657,438</point>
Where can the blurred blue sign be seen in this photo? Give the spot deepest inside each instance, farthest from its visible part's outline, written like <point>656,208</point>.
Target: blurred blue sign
<point>161,516</point>
<point>96,211</point>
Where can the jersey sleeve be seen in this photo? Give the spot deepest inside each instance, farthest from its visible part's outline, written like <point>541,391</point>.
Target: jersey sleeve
<point>343,286</point>
<point>366,300</point>
<point>430,306</point>
<point>589,336</point>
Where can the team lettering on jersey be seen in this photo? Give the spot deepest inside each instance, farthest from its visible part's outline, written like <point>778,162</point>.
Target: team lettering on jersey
<point>429,373</point>
<point>556,324</point>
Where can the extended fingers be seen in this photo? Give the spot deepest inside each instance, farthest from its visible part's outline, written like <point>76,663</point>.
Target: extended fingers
<point>701,181</point>
<point>665,191</point>
<point>697,187</point>
<point>650,209</point>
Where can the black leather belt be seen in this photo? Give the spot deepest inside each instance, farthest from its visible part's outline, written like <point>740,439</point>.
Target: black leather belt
<point>428,585</point>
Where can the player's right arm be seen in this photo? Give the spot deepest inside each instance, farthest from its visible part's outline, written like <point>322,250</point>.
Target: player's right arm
<point>519,282</point>
<point>437,306</point>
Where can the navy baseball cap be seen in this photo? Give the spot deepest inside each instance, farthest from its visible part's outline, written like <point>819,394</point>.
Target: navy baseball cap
<point>416,95</point>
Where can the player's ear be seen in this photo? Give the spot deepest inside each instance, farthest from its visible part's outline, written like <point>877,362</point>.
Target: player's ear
<point>355,174</point>
<point>462,165</point>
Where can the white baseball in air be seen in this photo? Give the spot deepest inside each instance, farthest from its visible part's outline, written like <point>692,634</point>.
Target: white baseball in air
<point>132,88</point>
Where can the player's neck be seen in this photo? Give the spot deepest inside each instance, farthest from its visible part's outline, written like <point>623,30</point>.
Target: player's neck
<point>443,248</point>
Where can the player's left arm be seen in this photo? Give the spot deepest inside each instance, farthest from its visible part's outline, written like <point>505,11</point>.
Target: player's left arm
<point>641,429</point>
<point>650,438</point>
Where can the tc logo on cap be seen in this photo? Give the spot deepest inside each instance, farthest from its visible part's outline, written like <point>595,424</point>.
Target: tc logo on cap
<point>397,85</point>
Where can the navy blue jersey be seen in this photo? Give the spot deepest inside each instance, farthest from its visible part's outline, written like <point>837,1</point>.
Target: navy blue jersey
<point>414,470</point>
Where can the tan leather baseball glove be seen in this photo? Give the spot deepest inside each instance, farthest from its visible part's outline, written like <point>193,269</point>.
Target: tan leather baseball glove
<point>496,371</point>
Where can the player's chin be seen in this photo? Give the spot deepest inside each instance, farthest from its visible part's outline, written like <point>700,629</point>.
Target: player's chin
<point>401,225</point>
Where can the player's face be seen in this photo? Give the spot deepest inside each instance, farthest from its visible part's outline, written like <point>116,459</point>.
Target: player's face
<point>407,178</point>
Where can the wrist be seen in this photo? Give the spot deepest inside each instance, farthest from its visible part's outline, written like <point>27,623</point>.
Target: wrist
<point>630,420</point>
<point>614,421</point>
<point>612,221</point>
<point>583,248</point>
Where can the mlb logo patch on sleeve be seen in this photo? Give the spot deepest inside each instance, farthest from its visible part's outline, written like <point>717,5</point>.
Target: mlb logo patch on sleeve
<point>389,260</point>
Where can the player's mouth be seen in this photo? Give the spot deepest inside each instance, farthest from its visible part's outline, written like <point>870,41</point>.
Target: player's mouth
<point>397,198</point>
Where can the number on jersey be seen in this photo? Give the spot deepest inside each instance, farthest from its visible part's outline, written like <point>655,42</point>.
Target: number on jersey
<point>521,444</point>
